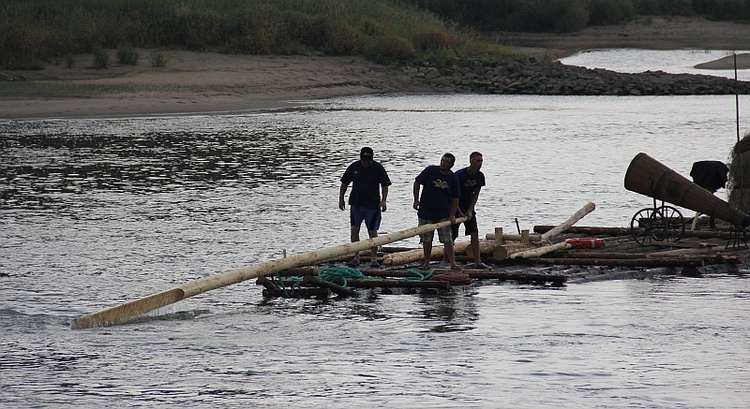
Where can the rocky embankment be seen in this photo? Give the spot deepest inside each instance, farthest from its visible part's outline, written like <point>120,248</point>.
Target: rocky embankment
<point>532,76</point>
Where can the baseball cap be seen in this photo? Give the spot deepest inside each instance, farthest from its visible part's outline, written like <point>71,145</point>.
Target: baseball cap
<point>366,153</point>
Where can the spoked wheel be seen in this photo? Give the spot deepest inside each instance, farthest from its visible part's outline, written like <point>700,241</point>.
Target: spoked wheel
<point>671,227</point>
<point>642,225</point>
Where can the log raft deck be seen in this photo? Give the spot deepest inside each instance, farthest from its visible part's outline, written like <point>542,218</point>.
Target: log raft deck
<point>542,262</point>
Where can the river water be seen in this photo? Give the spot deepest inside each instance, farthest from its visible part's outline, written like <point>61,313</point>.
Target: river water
<point>96,212</point>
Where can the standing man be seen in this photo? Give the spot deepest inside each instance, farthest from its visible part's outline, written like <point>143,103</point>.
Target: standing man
<point>438,203</point>
<point>365,202</point>
<point>470,180</point>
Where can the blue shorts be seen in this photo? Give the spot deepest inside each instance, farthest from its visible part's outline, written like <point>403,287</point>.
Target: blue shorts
<point>371,217</point>
<point>444,233</point>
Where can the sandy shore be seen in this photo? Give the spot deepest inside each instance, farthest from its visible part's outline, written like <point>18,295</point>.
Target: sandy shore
<point>212,82</point>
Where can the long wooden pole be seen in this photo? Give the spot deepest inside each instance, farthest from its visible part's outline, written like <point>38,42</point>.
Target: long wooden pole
<point>124,312</point>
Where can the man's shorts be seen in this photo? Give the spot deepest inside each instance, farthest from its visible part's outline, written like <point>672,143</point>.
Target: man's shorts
<point>444,233</point>
<point>469,227</point>
<point>370,216</point>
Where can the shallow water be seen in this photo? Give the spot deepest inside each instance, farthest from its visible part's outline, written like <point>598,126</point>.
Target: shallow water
<point>96,212</point>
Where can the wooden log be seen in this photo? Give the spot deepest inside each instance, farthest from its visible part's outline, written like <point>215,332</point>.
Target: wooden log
<point>538,252</point>
<point>485,247</point>
<point>588,208</point>
<point>502,252</point>
<point>369,283</point>
<point>338,289</point>
<point>304,292</point>
<point>525,277</point>
<point>266,283</point>
<point>410,256</point>
<point>406,257</point>
<point>625,231</point>
<point>126,311</point>
<point>643,262</point>
<point>513,237</point>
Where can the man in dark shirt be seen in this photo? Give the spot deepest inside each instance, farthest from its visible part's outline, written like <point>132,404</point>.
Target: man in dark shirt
<point>367,200</point>
<point>438,203</point>
<point>470,180</point>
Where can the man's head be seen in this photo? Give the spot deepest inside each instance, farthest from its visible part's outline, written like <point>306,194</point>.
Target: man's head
<point>447,161</point>
<point>475,161</point>
<point>365,155</point>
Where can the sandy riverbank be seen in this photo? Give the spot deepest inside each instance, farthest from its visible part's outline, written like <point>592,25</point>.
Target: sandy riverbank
<point>211,82</point>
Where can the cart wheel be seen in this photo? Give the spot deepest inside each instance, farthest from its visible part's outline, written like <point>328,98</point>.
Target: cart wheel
<point>672,224</point>
<point>642,224</point>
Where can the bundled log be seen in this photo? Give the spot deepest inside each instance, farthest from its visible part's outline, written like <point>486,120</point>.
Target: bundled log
<point>626,231</point>
<point>522,277</point>
<point>370,283</point>
<point>642,262</point>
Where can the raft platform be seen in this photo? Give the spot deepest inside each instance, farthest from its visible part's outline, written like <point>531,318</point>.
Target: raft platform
<point>696,253</point>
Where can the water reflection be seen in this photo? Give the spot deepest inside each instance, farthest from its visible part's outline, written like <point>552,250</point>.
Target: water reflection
<point>38,166</point>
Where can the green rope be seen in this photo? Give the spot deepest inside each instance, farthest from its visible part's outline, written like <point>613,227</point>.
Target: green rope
<point>418,276</point>
<point>297,280</point>
<point>343,273</point>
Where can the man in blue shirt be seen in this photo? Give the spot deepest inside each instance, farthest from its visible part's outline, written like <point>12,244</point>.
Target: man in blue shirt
<point>365,201</point>
<point>438,203</point>
<point>470,180</point>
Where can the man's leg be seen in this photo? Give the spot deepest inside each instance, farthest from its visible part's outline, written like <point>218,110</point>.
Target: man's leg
<point>475,247</point>
<point>451,256</point>
<point>374,250</point>
<point>427,248</point>
<point>355,238</point>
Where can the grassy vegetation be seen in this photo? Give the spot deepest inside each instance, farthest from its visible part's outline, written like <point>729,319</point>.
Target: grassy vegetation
<point>34,33</point>
<point>381,30</point>
<point>573,15</point>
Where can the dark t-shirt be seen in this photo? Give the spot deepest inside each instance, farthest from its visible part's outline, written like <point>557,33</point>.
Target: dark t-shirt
<point>367,182</point>
<point>469,185</point>
<point>439,189</point>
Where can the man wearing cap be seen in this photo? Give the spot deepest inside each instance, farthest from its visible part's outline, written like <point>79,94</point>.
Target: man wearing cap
<point>367,200</point>
<point>438,203</point>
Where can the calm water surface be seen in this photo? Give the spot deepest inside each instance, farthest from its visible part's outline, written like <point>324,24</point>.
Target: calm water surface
<point>95,212</point>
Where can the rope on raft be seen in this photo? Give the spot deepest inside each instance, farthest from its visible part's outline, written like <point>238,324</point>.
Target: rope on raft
<point>342,274</point>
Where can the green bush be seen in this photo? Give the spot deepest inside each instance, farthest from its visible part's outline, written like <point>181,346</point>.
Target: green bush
<point>389,48</point>
<point>127,55</point>
<point>605,12</point>
<point>101,58</point>
<point>159,59</point>
<point>427,40</point>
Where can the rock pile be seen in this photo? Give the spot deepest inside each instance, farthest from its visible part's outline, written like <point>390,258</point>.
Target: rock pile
<point>532,76</point>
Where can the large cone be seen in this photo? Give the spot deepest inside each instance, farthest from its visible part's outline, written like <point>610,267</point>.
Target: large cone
<point>649,177</point>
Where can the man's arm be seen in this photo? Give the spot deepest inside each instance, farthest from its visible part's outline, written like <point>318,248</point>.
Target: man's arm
<point>342,192</point>
<point>474,199</point>
<point>454,209</point>
<point>415,205</point>
<point>383,196</point>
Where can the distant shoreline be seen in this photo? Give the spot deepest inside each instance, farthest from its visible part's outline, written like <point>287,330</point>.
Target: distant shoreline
<point>213,83</point>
